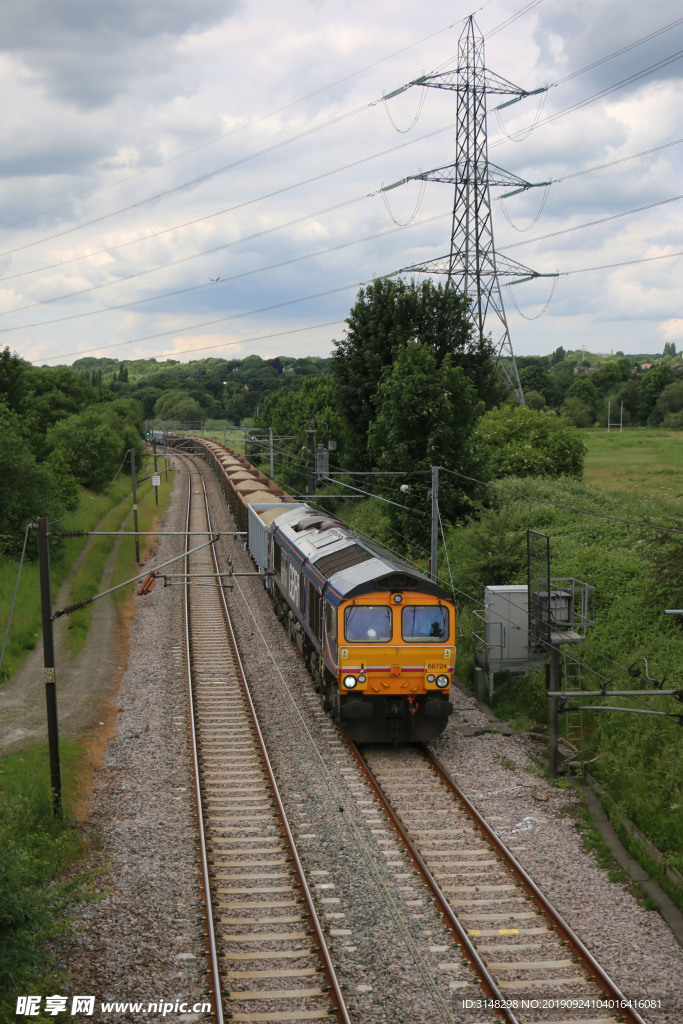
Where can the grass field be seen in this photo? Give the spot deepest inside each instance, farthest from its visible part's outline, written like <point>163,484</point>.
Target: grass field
<point>637,461</point>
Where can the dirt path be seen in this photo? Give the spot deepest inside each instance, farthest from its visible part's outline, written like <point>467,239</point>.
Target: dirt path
<point>85,684</point>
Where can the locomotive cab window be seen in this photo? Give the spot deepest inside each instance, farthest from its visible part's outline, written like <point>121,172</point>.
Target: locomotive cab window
<point>367,624</point>
<point>424,623</point>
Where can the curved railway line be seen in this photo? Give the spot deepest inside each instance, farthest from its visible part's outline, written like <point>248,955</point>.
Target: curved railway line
<point>267,953</point>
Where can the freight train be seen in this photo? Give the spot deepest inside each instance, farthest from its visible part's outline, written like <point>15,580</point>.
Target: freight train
<point>378,637</point>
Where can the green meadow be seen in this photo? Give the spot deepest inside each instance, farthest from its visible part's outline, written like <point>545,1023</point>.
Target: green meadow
<point>638,461</point>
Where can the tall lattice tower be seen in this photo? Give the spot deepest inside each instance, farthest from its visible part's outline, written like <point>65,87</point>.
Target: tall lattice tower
<point>472,266</point>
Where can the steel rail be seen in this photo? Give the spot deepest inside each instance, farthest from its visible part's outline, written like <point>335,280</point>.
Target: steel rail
<point>559,924</point>
<point>340,1010</point>
<point>487,983</point>
<point>212,951</point>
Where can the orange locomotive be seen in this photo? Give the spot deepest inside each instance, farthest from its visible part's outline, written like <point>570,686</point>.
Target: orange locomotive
<point>378,637</point>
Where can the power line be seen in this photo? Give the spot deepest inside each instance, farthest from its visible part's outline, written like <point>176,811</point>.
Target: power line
<point>232,209</point>
<point>631,79</point>
<point>197,287</point>
<point>593,223</point>
<point>619,53</point>
<point>621,160</point>
<point>308,298</point>
<point>200,179</point>
<point>247,341</point>
<point>298,259</point>
<point>242,127</point>
<point>214,322</point>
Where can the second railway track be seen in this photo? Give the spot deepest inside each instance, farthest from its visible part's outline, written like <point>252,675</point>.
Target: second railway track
<point>265,933</point>
<point>268,957</point>
<point>528,961</point>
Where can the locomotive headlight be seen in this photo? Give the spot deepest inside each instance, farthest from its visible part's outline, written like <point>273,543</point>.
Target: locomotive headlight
<point>442,682</point>
<point>431,678</point>
<point>350,682</point>
<point>361,678</point>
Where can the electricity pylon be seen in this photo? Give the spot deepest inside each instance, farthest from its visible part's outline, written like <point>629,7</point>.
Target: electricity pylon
<point>472,266</point>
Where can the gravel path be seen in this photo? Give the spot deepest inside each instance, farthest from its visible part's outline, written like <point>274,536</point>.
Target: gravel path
<point>144,939</point>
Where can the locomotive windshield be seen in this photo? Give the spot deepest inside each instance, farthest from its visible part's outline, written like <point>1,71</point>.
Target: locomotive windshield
<point>424,623</point>
<point>368,624</point>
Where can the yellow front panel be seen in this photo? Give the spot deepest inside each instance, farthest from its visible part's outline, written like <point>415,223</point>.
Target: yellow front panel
<point>394,665</point>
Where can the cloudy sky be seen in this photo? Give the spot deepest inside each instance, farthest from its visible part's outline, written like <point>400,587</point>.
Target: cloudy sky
<point>148,147</point>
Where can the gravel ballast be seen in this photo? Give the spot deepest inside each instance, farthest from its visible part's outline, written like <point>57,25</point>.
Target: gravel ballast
<point>144,939</point>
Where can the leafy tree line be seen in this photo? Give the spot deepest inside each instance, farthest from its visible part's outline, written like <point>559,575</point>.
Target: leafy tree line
<point>58,431</point>
<point>581,389</point>
<point>203,389</point>
<point>410,387</point>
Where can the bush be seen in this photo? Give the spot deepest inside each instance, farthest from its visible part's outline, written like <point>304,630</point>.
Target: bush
<point>94,443</point>
<point>34,848</point>
<point>518,441</point>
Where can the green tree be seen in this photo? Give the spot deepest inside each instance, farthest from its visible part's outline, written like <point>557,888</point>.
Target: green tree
<point>27,489</point>
<point>536,378</point>
<point>179,407</point>
<point>425,415</point>
<point>651,386</point>
<point>93,444</point>
<point>386,316</point>
<point>288,412</point>
<point>577,412</point>
<point>517,441</point>
<point>669,408</point>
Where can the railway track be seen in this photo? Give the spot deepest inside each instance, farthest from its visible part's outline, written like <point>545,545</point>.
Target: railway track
<point>267,953</point>
<point>267,938</point>
<point>528,962</point>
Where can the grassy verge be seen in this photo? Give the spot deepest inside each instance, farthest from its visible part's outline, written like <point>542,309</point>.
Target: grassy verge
<point>89,579</point>
<point>109,513</point>
<point>26,621</point>
<point>639,757</point>
<point>35,847</point>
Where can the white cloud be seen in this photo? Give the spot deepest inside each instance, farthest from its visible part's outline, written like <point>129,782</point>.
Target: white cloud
<point>107,107</point>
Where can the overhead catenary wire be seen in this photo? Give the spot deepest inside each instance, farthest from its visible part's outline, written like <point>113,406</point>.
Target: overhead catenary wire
<point>449,583</point>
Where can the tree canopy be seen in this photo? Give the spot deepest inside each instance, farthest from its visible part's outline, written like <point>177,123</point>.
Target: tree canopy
<point>386,316</point>
<point>517,441</point>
